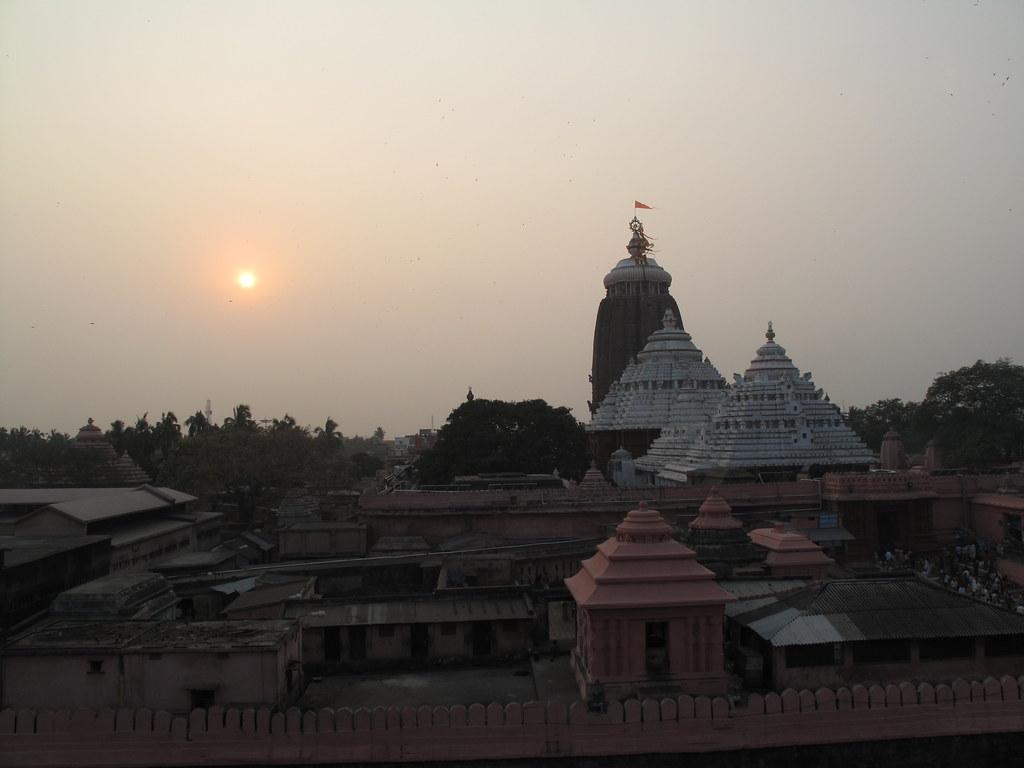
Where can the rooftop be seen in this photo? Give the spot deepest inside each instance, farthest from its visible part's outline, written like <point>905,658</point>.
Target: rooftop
<point>262,596</point>
<point>20,550</point>
<point>130,501</point>
<point>869,609</point>
<point>125,595</point>
<point>68,636</point>
<point>431,611</point>
<point>542,680</point>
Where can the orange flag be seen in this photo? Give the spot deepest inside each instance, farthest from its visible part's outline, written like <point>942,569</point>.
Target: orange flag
<point>638,204</point>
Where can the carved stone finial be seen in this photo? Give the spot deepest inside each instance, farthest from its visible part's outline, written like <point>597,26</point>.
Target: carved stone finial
<point>639,244</point>
<point>770,334</point>
<point>469,395</point>
<point>89,421</point>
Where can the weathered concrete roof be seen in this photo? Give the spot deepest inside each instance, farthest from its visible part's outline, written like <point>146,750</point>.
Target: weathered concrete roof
<point>68,636</point>
<point>130,501</point>
<point>412,611</point>
<point>126,595</point>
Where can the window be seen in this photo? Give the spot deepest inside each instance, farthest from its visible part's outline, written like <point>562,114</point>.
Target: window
<point>947,648</point>
<point>95,667</point>
<point>656,637</point>
<point>820,655</point>
<point>881,651</point>
<point>448,628</point>
<point>386,630</point>
<point>1006,645</point>
<point>200,698</point>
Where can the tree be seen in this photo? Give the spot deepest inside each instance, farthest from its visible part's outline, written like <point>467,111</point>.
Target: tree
<point>365,465</point>
<point>872,422</point>
<point>116,436</point>
<point>497,436</point>
<point>197,424</point>
<point>378,434</point>
<point>978,413</point>
<point>240,419</point>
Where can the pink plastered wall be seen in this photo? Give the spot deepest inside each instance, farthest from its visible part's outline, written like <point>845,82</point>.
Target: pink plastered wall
<point>127,737</point>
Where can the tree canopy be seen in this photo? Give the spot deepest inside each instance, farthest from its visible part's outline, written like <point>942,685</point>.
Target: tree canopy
<point>239,457</point>
<point>498,436</point>
<point>975,415</point>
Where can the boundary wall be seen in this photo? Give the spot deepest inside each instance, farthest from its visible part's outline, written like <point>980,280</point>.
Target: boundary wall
<point>117,739</point>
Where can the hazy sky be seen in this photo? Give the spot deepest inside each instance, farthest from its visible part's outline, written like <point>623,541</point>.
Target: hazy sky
<point>429,195</point>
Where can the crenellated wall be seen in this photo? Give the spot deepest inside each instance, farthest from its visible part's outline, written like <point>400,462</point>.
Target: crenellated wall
<point>532,730</point>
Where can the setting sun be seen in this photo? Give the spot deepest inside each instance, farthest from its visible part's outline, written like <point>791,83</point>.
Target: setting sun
<point>247,279</point>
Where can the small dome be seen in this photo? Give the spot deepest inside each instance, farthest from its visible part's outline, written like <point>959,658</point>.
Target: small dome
<point>629,271</point>
<point>670,341</point>
<point>715,513</point>
<point>771,361</point>
<point>90,432</point>
<point>643,525</point>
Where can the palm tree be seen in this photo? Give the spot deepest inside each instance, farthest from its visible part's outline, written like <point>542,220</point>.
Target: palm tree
<point>197,423</point>
<point>116,436</point>
<point>241,418</point>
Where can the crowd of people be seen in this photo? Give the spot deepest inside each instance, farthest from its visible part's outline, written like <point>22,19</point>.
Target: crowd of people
<point>970,569</point>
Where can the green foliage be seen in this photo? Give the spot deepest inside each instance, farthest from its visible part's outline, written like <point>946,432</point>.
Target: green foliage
<point>978,413</point>
<point>872,422</point>
<point>975,415</point>
<point>31,458</point>
<point>240,458</point>
<point>497,436</point>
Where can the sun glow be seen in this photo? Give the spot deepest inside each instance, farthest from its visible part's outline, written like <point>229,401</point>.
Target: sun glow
<point>247,279</point>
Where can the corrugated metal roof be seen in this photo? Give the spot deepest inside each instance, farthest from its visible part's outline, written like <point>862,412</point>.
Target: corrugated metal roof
<point>761,587</point>
<point>746,606</point>
<point>886,609</point>
<point>809,630</point>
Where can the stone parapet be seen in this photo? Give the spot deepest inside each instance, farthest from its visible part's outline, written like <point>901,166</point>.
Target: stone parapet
<point>685,724</point>
<point>877,485</point>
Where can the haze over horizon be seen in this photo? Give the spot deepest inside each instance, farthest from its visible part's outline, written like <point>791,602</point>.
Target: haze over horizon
<point>429,195</point>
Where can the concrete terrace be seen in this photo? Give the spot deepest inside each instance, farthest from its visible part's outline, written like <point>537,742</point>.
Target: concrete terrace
<point>542,680</point>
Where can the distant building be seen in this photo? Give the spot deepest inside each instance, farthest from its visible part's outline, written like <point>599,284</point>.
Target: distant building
<point>636,299</point>
<point>118,597</point>
<point>669,390</point>
<point>168,665</point>
<point>886,630</point>
<point>145,524</point>
<point>321,539</point>
<point>361,634</point>
<point>35,569</point>
<point>773,424</point>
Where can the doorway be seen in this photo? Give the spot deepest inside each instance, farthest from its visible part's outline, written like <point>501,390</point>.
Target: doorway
<point>481,638</point>
<point>420,641</point>
<point>656,637</point>
<point>332,645</point>
<point>357,643</point>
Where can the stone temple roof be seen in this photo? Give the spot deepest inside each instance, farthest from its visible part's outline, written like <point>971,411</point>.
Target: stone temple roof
<point>670,383</point>
<point>715,514</point>
<point>632,270</point>
<point>643,566</point>
<point>773,417</point>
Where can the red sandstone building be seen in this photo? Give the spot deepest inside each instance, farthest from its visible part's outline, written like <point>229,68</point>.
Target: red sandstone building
<point>649,616</point>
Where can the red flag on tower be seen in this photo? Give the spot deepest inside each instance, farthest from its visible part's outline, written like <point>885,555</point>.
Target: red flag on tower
<point>638,204</point>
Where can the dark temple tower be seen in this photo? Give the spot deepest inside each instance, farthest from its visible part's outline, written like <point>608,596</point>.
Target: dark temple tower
<point>632,309</point>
